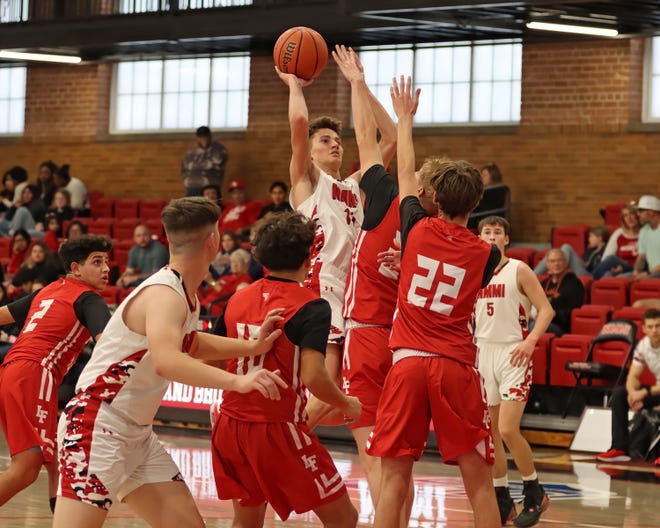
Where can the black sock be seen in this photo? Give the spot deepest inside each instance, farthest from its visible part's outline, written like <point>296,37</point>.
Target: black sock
<point>52,504</point>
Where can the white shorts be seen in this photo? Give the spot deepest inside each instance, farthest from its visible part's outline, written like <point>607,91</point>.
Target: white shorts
<point>332,290</point>
<point>503,381</point>
<point>104,457</point>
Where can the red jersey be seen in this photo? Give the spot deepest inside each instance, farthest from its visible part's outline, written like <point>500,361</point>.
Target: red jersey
<point>236,217</point>
<point>442,270</point>
<point>245,313</point>
<point>371,288</point>
<point>52,335</point>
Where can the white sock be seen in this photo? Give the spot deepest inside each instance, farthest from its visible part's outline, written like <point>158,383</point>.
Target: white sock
<point>501,482</point>
<point>533,476</point>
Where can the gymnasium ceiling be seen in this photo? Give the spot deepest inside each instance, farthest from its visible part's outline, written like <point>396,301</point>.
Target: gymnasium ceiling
<point>81,30</point>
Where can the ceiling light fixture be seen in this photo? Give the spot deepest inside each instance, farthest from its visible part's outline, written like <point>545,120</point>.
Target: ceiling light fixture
<point>43,57</point>
<point>581,30</point>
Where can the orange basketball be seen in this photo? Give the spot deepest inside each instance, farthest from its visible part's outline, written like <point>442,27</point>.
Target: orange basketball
<point>301,51</point>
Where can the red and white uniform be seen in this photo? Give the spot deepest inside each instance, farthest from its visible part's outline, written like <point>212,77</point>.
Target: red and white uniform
<point>502,313</point>
<point>434,375</point>
<point>47,347</point>
<point>336,209</point>
<point>107,445</point>
<point>257,443</point>
<point>237,217</point>
<point>371,292</point>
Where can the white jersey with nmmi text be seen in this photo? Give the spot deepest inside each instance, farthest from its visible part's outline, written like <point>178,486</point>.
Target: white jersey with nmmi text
<point>502,310</point>
<point>121,372</point>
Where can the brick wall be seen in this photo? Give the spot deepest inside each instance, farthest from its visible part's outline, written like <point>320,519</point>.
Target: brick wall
<point>571,154</point>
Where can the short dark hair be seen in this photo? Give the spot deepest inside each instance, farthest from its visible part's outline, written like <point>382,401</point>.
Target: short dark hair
<point>184,217</point>
<point>203,131</point>
<point>17,173</point>
<point>324,122</point>
<point>276,184</point>
<point>495,220</point>
<point>651,313</point>
<point>50,165</point>
<point>216,188</point>
<point>63,172</point>
<point>82,225</point>
<point>282,242</point>
<point>458,188</point>
<point>23,233</point>
<point>79,249</point>
<point>601,231</point>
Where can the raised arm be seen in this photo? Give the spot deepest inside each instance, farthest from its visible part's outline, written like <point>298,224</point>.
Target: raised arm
<point>302,171</point>
<point>405,106</point>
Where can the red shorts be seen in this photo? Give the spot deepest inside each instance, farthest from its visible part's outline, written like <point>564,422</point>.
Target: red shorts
<point>419,389</point>
<point>274,462</point>
<point>28,407</point>
<point>367,360</point>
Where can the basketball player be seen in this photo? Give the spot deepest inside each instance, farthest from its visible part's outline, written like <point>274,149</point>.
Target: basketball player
<point>434,374</point>
<point>107,448</point>
<point>60,317</point>
<point>335,205</point>
<point>505,362</point>
<point>262,450</point>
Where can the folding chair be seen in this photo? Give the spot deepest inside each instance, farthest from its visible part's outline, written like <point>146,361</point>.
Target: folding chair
<point>614,366</point>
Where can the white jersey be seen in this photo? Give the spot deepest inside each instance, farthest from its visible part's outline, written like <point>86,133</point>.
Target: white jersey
<point>336,209</point>
<point>502,310</point>
<point>121,372</point>
<point>645,354</point>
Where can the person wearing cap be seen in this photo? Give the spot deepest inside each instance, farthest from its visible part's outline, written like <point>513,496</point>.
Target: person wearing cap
<point>204,164</point>
<point>241,213</point>
<point>647,264</point>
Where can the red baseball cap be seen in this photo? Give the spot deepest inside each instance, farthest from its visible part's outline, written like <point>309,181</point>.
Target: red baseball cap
<point>236,184</point>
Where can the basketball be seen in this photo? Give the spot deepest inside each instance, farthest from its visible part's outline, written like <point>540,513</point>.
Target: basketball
<point>301,51</point>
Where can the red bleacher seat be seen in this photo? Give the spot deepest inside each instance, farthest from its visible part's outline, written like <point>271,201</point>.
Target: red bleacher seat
<point>120,252</point>
<point>540,359</point>
<point>126,208</point>
<point>573,234</point>
<point>611,353</point>
<point>525,254</point>
<point>586,283</point>
<point>124,227</point>
<point>612,214</point>
<point>103,207</point>
<point>644,289</point>
<point>588,319</point>
<point>151,209</point>
<point>610,291</point>
<point>568,347</point>
<point>94,194</point>
<point>110,295</point>
<point>5,247</point>
<point>99,226</point>
<point>634,314</point>
<point>538,257</point>
<point>156,228</point>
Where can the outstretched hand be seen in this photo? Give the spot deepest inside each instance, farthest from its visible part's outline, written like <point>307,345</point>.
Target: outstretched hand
<point>403,100</point>
<point>264,381</point>
<point>348,63</point>
<point>291,80</point>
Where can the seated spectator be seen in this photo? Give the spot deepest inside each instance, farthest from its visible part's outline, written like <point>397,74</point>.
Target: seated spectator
<point>647,303</point>
<point>634,396</point>
<point>212,192</point>
<point>39,269</point>
<point>19,179</point>
<point>53,232</point>
<point>648,259</point>
<point>279,193</point>
<point>76,229</point>
<point>26,213</point>
<point>46,183</point>
<point>241,213</point>
<point>61,205</point>
<point>491,175</point>
<point>228,284</point>
<point>19,250</point>
<point>598,237</point>
<point>564,291</point>
<point>622,248</point>
<point>76,188</point>
<point>7,192</point>
<point>145,258</point>
<point>229,243</point>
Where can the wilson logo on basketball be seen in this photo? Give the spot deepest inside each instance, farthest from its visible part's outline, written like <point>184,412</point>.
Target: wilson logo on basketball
<point>288,55</point>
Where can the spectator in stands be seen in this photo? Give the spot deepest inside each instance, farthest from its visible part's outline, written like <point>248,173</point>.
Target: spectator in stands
<point>76,229</point>
<point>53,232</point>
<point>622,248</point>
<point>204,164</point>
<point>563,289</point>
<point>145,258</point>
<point>228,284</point>
<point>591,258</point>
<point>8,188</point>
<point>26,213</point>
<point>19,177</point>
<point>229,242</point>
<point>212,192</point>
<point>61,205</point>
<point>648,259</point>
<point>491,175</point>
<point>647,303</point>
<point>39,269</point>
<point>279,192</point>
<point>46,183</point>
<point>19,250</point>
<point>241,213</point>
<point>77,190</point>
<point>634,396</point>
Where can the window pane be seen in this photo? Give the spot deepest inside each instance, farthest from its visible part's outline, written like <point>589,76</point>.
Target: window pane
<point>656,56</point>
<point>444,65</point>
<point>461,103</point>
<point>186,119</point>
<point>236,109</point>
<point>461,65</point>
<point>442,103</point>
<point>370,62</point>
<point>124,77</point>
<point>172,76</point>
<point>220,75</point>
<point>17,83</point>
<point>155,83</point>
<point>481,101</point>
<point>12,99</point>
<point>140,77</point>
<point>170,111</point>
<point>201,107</point>
<point>655,97</point>
<point>5,74</point>
<point>186,75</point>
<point>123,112</point>
<point>202,74</point>
<point>483,63</point>
<point>139,112</point>
<point>386,67</point>
<point>516,72</point>
<point>515,101</point>
<point>502,62</point>
<point>153,111</point>
<point>4,116</point>
<point>219,109</point>
<point>501,102</point>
